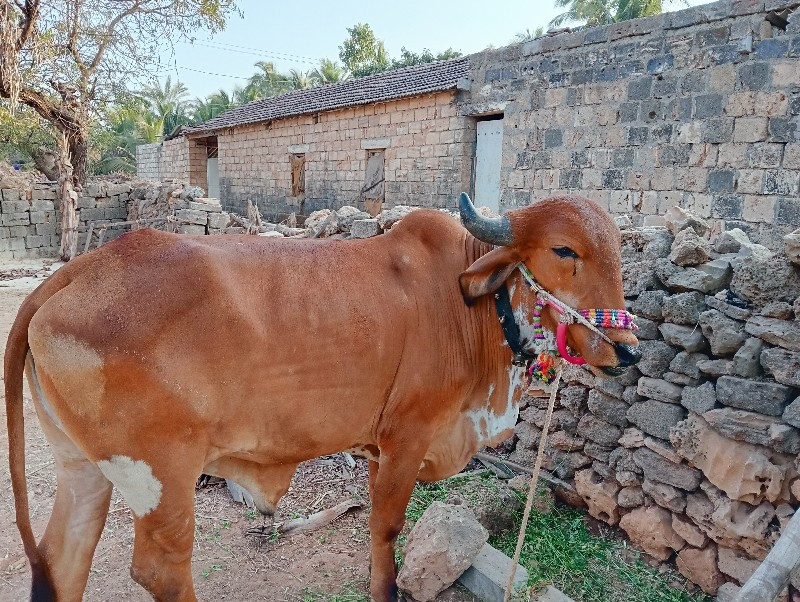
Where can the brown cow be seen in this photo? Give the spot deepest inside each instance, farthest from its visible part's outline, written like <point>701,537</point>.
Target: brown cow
<point>159,357</point>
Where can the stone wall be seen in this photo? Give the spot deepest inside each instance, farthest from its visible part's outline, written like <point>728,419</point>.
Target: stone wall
<point>30,222</point>
<point>168,160</point>
<point>427,156</point>
<point>148,162</point>
<point>697,108</point>
<point>694,452</point>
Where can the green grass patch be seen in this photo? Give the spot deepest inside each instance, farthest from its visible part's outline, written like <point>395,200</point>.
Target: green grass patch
<point>559,550</point>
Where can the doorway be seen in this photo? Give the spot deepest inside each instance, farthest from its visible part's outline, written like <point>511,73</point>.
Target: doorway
<point>488,160</point>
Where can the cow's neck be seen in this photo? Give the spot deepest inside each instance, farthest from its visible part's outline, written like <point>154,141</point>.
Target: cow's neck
<point>498,384</point>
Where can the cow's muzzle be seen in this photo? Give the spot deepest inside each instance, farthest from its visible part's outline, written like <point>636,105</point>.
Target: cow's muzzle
<point>627,355</point>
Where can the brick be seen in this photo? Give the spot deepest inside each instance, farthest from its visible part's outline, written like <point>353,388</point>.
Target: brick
<point>16,219</point>
<point>755,76</point>
<point>750,129</point>
<point>750,181</point>
<point>783,129</point>
<point>727,206</point>
<point>42,205</point>
<point>741,104</point>
<point>791,156</point>
<point>787,212</point>
<point>10,195</point>
<point>14,206</point>
<point>708,105</point>
<point>758,208</point>
<point>33,242</point>
<point>764,155</point>
<point>772,48</point>
<point>639,88</point>
<point>718,130</point>
<point>553,137</point>
<point>781,182</point>
<point>612,178</point>
<point>721,180</point>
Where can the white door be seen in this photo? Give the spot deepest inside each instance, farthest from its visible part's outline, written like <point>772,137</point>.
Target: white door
<point>487,165</point>
<point>212,175</point>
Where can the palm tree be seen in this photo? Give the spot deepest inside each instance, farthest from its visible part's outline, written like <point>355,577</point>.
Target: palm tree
<point>527,35</point>
<point>171,99</point>
<point>213,105</point>
<point>329,72</point>
<point>603,12</point>
<point>266,82</point>
<point>300,80</point>
<point>587,12</point>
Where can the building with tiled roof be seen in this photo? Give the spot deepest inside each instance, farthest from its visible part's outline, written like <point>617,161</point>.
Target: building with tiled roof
<point>390,138</point>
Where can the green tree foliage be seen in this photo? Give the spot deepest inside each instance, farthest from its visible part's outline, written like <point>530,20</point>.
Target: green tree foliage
<point>329,72</point>
<point>364,54</point>
<point>603,12</point>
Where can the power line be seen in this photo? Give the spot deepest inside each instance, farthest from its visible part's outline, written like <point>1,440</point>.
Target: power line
<point>210,73</point>
<point>262,54</point>
<point>285,54</point>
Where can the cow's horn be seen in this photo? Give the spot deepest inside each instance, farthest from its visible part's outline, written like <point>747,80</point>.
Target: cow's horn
<point>494,230</point>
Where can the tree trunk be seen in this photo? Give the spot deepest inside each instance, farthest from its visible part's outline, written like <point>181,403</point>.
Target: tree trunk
<point>67,201</point>
<point>78,151</point>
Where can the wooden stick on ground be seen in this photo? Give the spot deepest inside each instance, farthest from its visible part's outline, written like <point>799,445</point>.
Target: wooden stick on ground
<point>296,526</point>
<point>773,573</point>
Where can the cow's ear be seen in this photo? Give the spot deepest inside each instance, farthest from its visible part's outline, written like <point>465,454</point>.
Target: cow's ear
<point>488,273</point>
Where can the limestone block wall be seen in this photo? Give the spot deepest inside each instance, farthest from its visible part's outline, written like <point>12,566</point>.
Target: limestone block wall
<point>30,222</point>
<point>148,162</point>
<point>697,108</point>
<point>428,150</point>
<point>694,453</point>
<point>174,160</point>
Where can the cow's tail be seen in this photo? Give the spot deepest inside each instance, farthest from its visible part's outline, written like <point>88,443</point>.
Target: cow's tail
<point>14,369</point>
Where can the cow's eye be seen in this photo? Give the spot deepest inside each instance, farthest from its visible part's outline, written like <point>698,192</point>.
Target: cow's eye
<point>565,252</point>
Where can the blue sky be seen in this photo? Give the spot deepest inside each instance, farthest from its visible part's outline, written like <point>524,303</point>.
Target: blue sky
<point>296,35</point>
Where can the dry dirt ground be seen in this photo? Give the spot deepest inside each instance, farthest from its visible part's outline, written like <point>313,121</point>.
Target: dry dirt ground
<point>330,564</point>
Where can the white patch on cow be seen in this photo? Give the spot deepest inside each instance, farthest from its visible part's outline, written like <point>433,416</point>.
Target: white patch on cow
<point>46,406</point>
<point>486,422</point>
<point>135,481</point>
<point>406,259</point>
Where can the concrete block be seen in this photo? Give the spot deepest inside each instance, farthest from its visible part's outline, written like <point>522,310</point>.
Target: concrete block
<point>16,219</point>
<point>207,207</point>
<point>86,202</point>
<point>42,205</point>
<point>192,216</point>
<point>14,206</point>
<point>364,228</point>
<point>218,220</point>
<point>487,576</point>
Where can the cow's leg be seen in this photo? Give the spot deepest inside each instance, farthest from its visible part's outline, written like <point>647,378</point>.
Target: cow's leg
<point>163,537</point>
<point>391,489</point>
<point>79,513</point>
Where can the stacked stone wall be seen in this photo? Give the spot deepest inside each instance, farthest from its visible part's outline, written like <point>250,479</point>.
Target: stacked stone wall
<point>30,219</point>
<point>694,453</point>
<point>148,162</point>
<point>697,108</point>
<point>428,150</point>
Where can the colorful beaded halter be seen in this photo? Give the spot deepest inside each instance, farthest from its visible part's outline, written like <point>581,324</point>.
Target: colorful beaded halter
<point>542,368</point>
